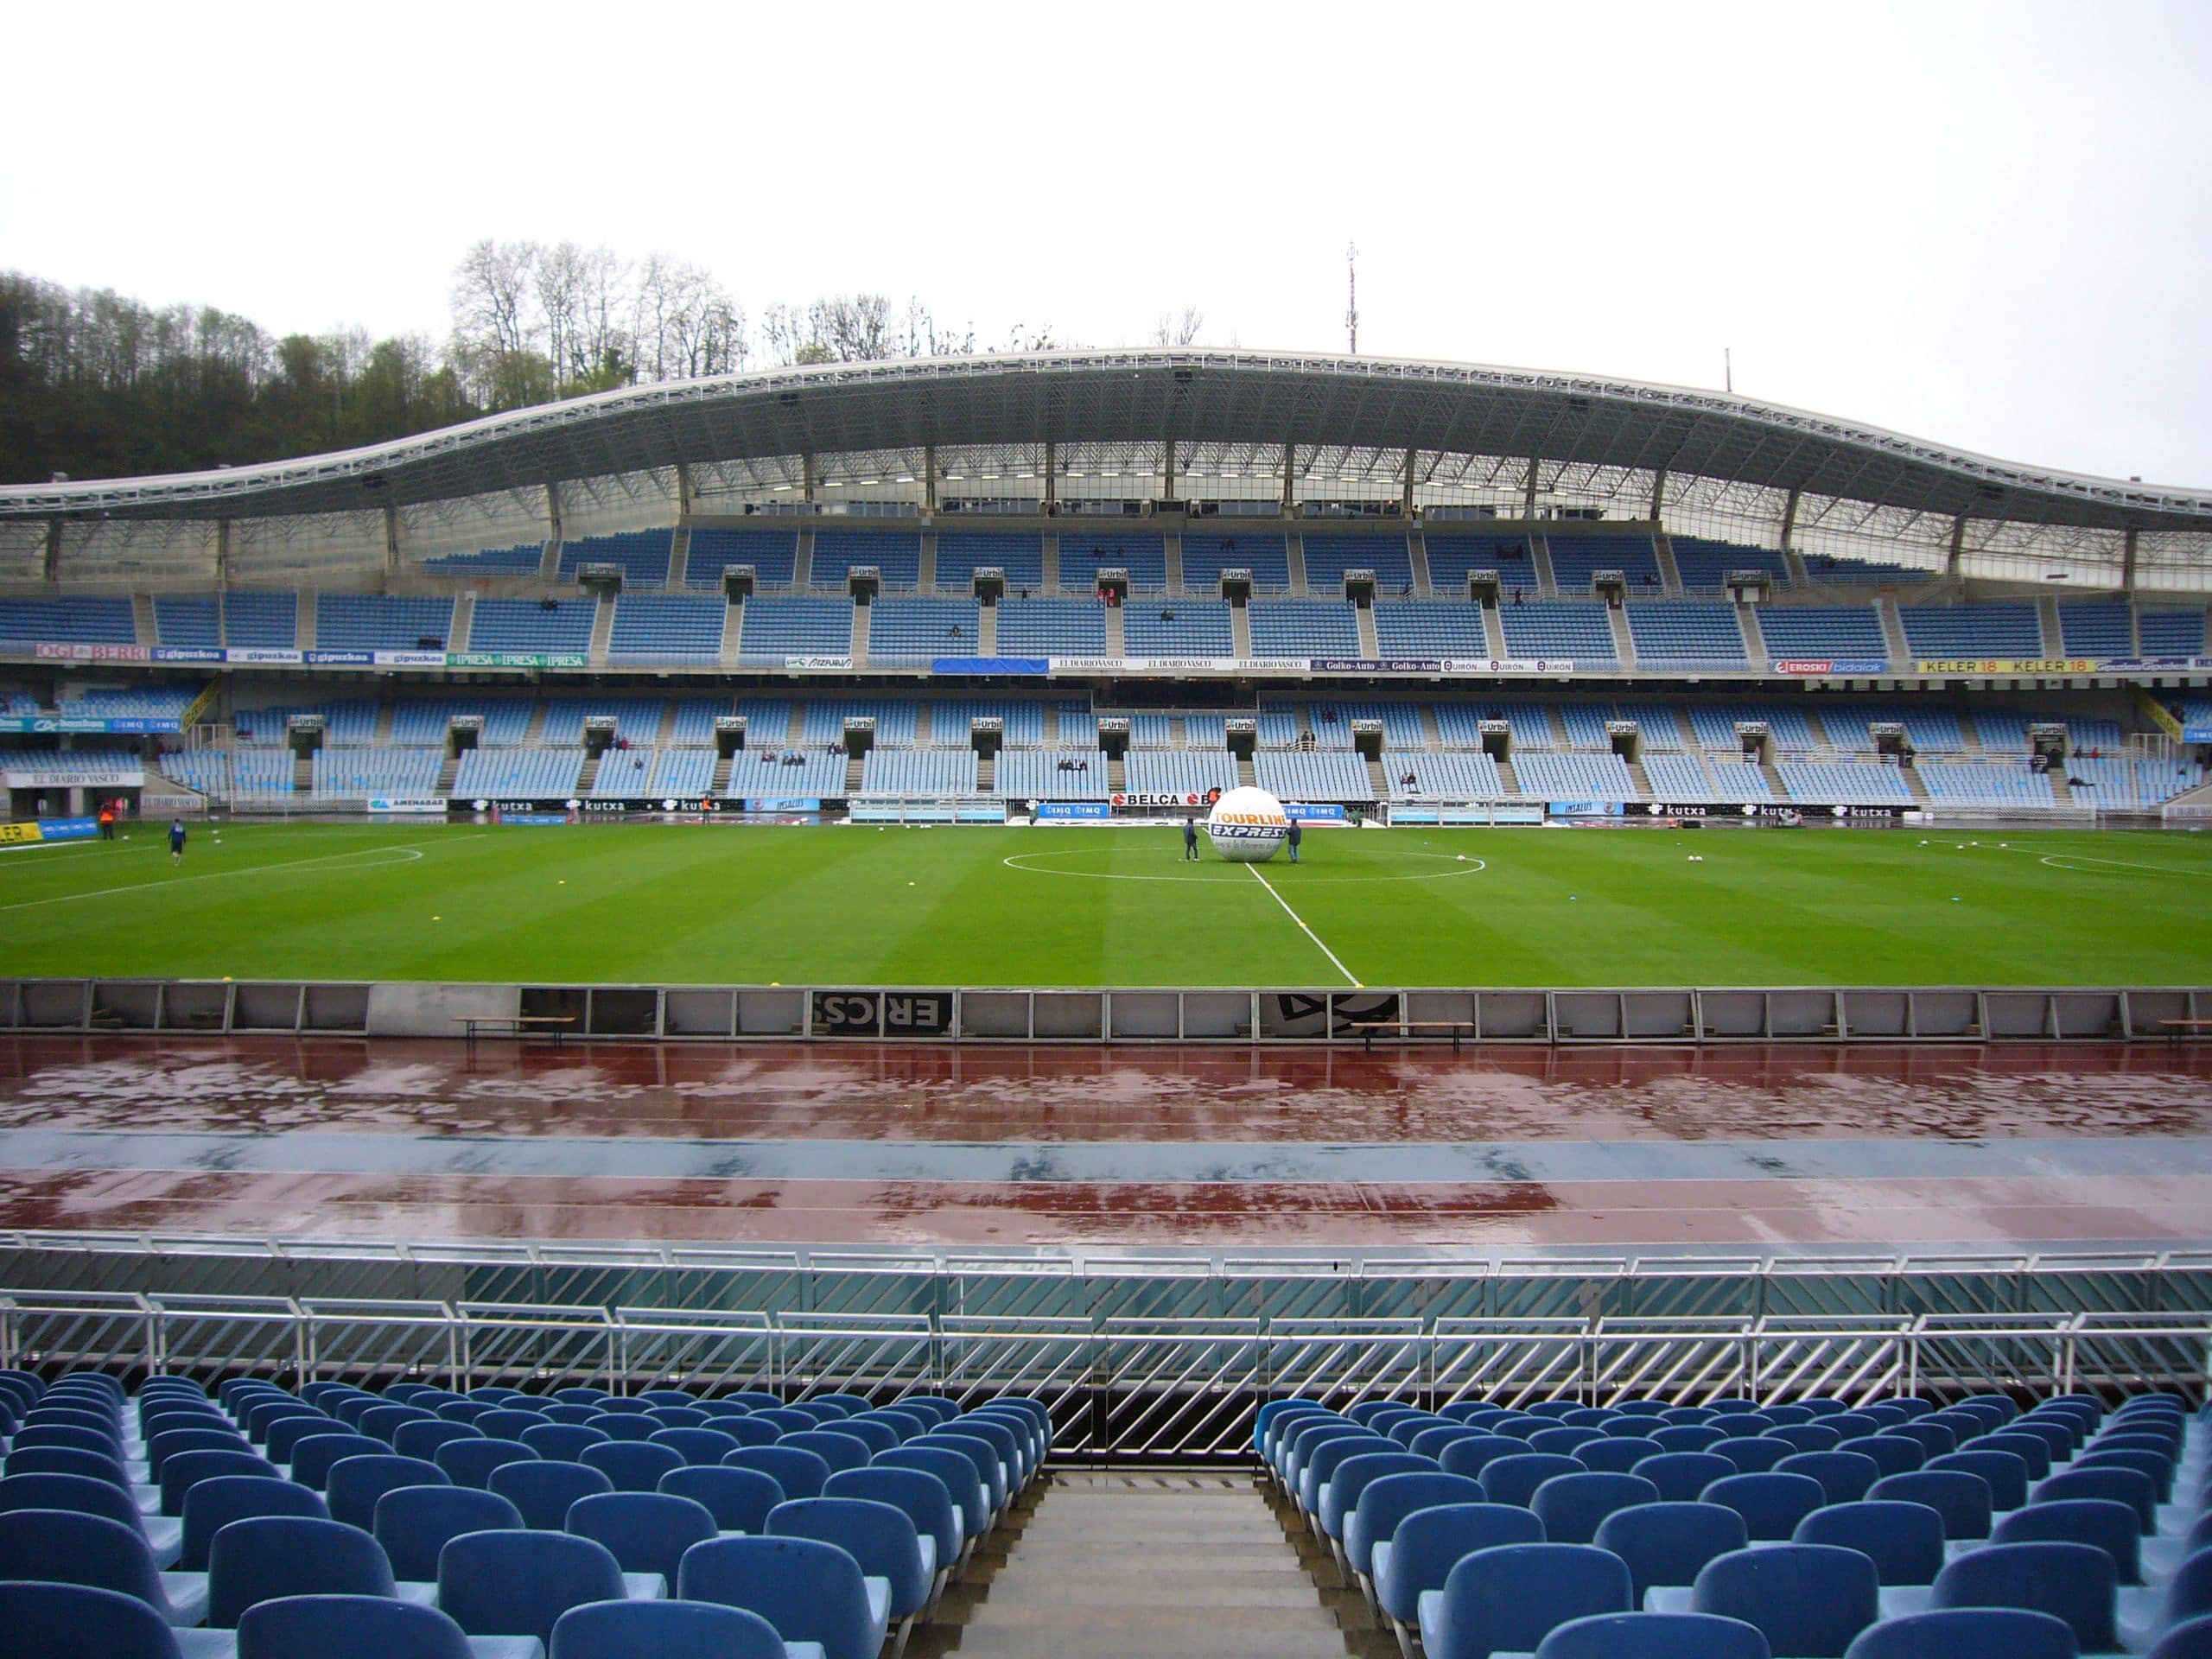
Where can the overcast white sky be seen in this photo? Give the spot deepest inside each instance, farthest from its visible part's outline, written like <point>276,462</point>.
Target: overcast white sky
<point>1985,225</point>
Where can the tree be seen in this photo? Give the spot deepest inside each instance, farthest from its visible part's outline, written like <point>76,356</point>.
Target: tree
<point>1178,327</point>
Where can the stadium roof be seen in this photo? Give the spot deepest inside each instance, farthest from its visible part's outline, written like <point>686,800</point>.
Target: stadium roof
<point>1146,395</point>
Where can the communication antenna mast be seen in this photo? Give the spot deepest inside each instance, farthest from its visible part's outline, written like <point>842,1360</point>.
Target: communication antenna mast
<point>1351,303</point>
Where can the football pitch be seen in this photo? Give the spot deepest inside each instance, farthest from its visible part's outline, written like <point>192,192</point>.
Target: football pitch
<point>718,904</point>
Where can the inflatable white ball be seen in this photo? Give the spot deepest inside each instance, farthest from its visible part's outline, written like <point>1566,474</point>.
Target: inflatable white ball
<point>1247,826</point>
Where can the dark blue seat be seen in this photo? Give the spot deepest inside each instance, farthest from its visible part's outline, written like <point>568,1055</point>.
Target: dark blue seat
<point>1383,1503</point>
<point>958,1472</point>
<point>1655,1635</point>
<point>470,1463</point>
<point>1811,1600</point>
<point>1742,1425</point>
<point>1431,1442</point>
<point>519,1583</point>
<point>1572,1507</point>
<point>1935,1438</point>
<point>879,1437</point>
<point>1974,1633</point>
<point>1668,1543</point>
<point>1680,1476</point>
<point>2097,1522</point>
<point>349,1627</point>
<point>562,1442</point>
<point>1893,1454</point>
<point>266,1556</point>
<point>738,1499</point>
<point>1961,1498</point>
<point>633,1466</point>
<point>1843,1476</point>
<point>1806,1437</point>
<point>625,1424</point>
<point>2005,1473</point>
<point>214,1504</point>
<point>186,1470</point>
<point>355,1484</point>
<point>1470,1456</point>
<point>841,1451</point>
<point>2032,1449</point>
<point>507,1423</point>
<point>414,1524</point>
<point>1618,1454</point>
<point>68,1548</point>
<point>788,1419</point>
<point>425,1440</point>
<point>1514,1596</point>
<point>1903,1540</point>
<point>1771,1504</point>
<point>809,1590</point>
<point>1754,1454</point>
<point>1681,1414</point>
<point>1688,1437</point>
<point>645,1532</point>
<point>2075,1582</point>
<point>2189,1641</point>
<point>543,1490</point>
<point>1564,1439</point>
<point>662,1630</point>
<point>170,1441</point>
<point>1514,1480</point>
<point>800,1473</point>
<point>567,1412</point>
<point>925,1499</point>
<point>69,1460</point>
<point>2155,1465</point>
<point>72,1621</point>
<point>1426,1543</point>
<point>880,1536</point>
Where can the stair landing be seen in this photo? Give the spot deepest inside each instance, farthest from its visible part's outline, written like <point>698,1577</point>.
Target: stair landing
<point>1131,1566</point>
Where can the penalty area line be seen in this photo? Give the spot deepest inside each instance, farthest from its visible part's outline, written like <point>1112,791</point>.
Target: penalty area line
<point>1351,977</point>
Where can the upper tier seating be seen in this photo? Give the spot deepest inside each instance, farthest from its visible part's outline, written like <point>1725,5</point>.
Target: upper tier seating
<point>529,625</point>
<point>1304,627</point>
<point>524,559</point>
<point>804,626</point>
<point>1842,783</point>
<point>1576,561</point>
<point>2173,634</point>
<point>1051,627</point>
<point>694,720</point>
<point>1319,775</point>
<point>1574,629</point>
<point>915,630</point>
<point>191,620</point>
<point>1189,627</point>
<point>1574,777</point>
<point>1852,631</point>
<point>896,555</point>
<point>642,553</point>
<point>1706,566</point>
<point>1826,568</point>
<point>1715,725</point>
<point>665,627</point>
<point>2098,628</point>
<point>1688,630</point>
<point>1206,554</point>
<point>771,553</point>
<point>1973,630</point>
<point>129,702</point>
<point>952,720</point>
<point>1451,557</point>
<point>637,719</point>
<point>381,622</point>
<point>73,618</point>
<point>1443,627</point>
<point>1083,553</point>
<point>1329,557</point>
<point>961,553</point>
<point>1036,774</point>
<point>261,621</point>
<point>346,722</point>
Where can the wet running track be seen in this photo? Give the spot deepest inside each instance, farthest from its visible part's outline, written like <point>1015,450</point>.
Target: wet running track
<point>1501,1150</point>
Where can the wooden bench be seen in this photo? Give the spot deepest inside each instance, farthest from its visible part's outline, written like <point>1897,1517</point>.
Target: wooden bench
<point>2179,1030</point>
<point>1367,1028</point>
<point>555,1025</point>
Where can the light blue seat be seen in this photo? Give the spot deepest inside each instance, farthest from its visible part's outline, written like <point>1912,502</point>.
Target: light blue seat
<point>1809,1600</point>
<point>881,1536</point>
<point>1341,1496</point>
<point>808,1590</point>
<point>958,1473</point>
<point>1424,1547</point>
<point>68,1547</point>
<point>1512,1597</point>
<point>1386,1501</point>
<point>923,1497</point>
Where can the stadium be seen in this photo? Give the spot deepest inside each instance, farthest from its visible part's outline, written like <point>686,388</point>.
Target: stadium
<point>684,907</point>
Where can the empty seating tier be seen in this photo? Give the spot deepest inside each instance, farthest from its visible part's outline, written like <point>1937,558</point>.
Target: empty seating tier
<point>1206,555</point>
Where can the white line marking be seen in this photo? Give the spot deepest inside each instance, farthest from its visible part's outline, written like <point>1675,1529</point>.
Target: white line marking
<point>1021,861</point>
<point>408,854</point>
<point>1348,973</point>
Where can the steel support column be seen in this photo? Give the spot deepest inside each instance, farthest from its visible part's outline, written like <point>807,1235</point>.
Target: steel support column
<point>1958,546</point>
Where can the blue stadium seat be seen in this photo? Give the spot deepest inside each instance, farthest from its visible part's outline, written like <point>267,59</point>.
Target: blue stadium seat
<point>542,1491</point>
<point>1384,1503</point>
<point>2005,1473</point>
<point>1341,1496</point>
<point>214,1504</point>
<point>662,1630</point>
<point>68,1547</point>
<point>1893,1454</point>
<point>263,1557</point>
<point>1666,1545</point>
<point>882,1537</point>
<point>956,1470</point>
<point>470,1463</point>
<point>1811,1600</point>
<point>645,1532</point>
<point>561,1442</point>
<point>165,1536</point>
<point>1655,1635</point>
<point>1513,1596</point>
<point>1618,1454</point>
<point>1976,1633</point>
<point>1572,1507</point>
<point>809,1590</point>
<point>1903,1540</point>
<point>1961,1498</point>
<point>633,1466</point>
<point>1843,1476</point>
<point>801,1473</point>
<point>356,1483</point>
<point>833,1446</point>
<point>1681,1476</point>
<point>414,1524</point>
<point>364,1627</point>
<point>72,1621</point>
<point>2077,1582</point>
<point>923,1497</point>
<point>520,1583</point>
<point>1689,1437</point>
<point>1470,1457</point>
<point>1514,1480</point>
<point>424,1439</point>
<point>1426,1544</point>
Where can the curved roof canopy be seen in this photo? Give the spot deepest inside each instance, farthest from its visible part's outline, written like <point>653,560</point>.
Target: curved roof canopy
<point>1146,395</point>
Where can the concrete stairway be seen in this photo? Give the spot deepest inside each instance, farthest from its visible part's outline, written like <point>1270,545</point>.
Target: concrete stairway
<point>589,775</point>
<point>602,631</point>
<point>718,785</point>
<point>852,768</point>
<point>1117,637</point>
<point>1245,774</point>
<point>464,619</point>
<point>144,626</point>
<point>1151,1567</point>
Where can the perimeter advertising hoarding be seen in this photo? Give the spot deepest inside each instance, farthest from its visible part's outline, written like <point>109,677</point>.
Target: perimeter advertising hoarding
<point>52,723</point>
<point>513,659</point>
<point>1018,665</point>
<point>383,804</point>
<point>1180,665</point>
<point>110,776</point>
<point>79,654</point>
<point>37,830</point>
<point>1074,812</point>
<point>2006,665</point>
<point>1811,667</point>
<point>890,1013</point>
<point>1509,665</point>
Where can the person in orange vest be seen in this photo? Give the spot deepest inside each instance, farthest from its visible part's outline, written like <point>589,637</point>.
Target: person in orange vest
<point>107,820</point>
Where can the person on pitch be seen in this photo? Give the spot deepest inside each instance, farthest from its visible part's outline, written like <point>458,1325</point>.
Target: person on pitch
<point>1293,838</point>
<point>176,840</point>
<point>1190,840</point>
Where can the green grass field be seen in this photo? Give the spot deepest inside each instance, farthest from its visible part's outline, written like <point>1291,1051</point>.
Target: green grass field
<point>686,904</point>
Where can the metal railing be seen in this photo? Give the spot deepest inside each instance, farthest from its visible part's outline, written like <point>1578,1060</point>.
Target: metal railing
<point>1120,1388</point>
